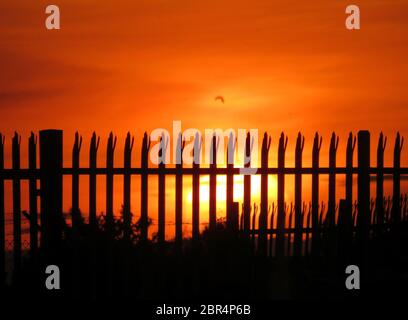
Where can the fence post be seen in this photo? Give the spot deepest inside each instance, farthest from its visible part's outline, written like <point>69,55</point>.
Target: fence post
<point>253,230</point>
<point>110,151</point>
<point>179,191</point>
<point>317,144</point>
<point>144,220</point>
<point>280,235</point>
<point>32,165</point>
<point>308,222</point>
<point>379,207</point>
<point>16,204</point>
<point>351,143</point>
<point>330,220</point>
<point>363,218</point>
<point>127,215</point>
<point>230,175</point>
<point>196,187</point>
<point>331,208</point>
<point>247,184</point>
<point>300,142</point>
<point>213,184</point>
<point>289,246</point>
<point>93,151</point>
<point>161,234</point>
<point>51,155</point>
<point>271,228</point>
<point>2,219</point>
<point>76,215</point>
<point>396,189</point>
<point>263,214</point>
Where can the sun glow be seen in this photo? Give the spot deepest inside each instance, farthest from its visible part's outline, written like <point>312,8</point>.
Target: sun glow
<point>238,189</point>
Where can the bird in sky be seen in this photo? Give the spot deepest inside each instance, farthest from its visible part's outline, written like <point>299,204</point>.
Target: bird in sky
<point>220,98</point>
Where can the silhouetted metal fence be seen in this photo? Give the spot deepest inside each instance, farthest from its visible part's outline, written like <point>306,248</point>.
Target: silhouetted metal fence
<point>300,229</point>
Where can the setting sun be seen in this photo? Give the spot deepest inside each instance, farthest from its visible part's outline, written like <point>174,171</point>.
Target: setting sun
<point>238,190</point>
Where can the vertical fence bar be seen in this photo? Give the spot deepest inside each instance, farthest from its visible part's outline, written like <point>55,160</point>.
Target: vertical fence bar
<point>213,184</point>
<point>379,206</point>
<point>289,236</point>
<point>363,217</point>
<point>247,183</point>
<point>331,208</point>
<point>351,143</point>
<point>76,214</point>
<point>127,216</point>
<point>93,151</point>
<point>179,191</point>
<point>196,187</point>
<point>110,151</point>
<point>2,218</point>
<point>144,215</point>
<point>16,204</point>
<point>263,215</point>
<point>396,185</point>
<point>280,236</point>
<point>317,144</point>
<point>330,221</point>
<point>51,155</point>
<point>272,228</point>
<point>230,176</point>
<point>161,235</point>
<point>32,165</point>
<point>253,230</point>
<point>308,224</point>
<point>300,143</point>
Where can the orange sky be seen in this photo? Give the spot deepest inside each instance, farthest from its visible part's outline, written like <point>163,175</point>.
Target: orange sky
<point>280,65</point>
<point>138,65</point>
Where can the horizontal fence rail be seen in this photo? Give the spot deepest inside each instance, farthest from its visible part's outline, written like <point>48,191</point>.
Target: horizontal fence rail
<point>25,174</point>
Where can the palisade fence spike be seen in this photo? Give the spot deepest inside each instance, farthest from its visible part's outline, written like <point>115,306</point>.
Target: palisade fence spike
<point>337,143</point>
<point>402,142</point>
<point>247,147</point>
<point>132,143</point>
<point>231,148</point>
<point>98,142</point>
